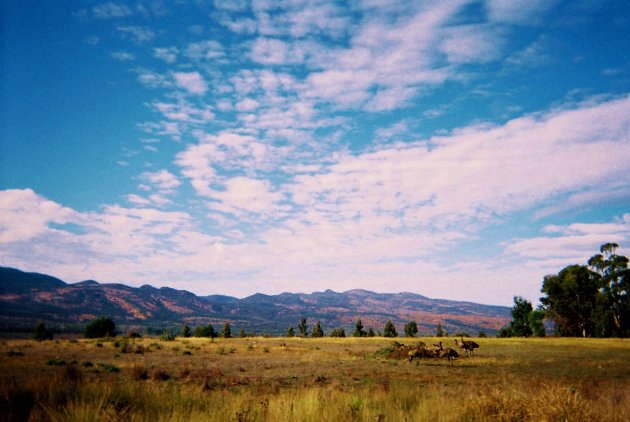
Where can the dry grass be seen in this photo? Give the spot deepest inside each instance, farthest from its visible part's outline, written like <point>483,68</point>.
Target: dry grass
<point>269,379</point>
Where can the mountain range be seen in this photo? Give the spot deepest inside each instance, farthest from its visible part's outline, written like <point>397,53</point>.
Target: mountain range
<point>26,298</point>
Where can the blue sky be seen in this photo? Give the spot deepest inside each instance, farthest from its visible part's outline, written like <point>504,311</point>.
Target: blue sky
<point>460,149</point>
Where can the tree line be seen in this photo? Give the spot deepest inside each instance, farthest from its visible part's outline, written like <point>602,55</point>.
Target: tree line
<point>104,326</point>
<point>589,300</point>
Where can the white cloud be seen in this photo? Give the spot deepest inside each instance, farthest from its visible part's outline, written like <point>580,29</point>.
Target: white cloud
<point>168,54</point>
<point>205,50</point>
<point>122,56</point>
<point>110,11</point>
<point>247,104</point>
<point>246,194</point>
<point>25,215</point>
<point>163,179</point>
<point>138,34</point>
<point>518,11</point>
<point>192,82</point>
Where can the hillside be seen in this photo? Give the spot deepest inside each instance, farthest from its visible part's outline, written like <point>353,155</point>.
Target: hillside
<point>26,298</point>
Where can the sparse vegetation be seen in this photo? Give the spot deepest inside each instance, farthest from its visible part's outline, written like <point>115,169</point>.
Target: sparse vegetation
<point>338,379</point>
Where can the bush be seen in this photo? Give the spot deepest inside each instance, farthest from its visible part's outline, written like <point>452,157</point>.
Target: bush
<point>108,367</point>
<point>167,335</point>
<point>139,373</point>
<point>100,327</point>
<point>160,374</point>
<point>134,334</point>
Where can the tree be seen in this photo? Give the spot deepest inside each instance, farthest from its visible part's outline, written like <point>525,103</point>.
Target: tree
<point>100,327</point>
<point>338,332</point>
<point>227,331</point>
<point>520,317</point>
<point>537,323</point>
<point>389,330</point>
<point>205,331</point>
<point>290,332</point>
<point>317,330</point>
<point>571,300</point>
<point>613,277</point>
<point>358,329</point>
<point>411,329</point>
<point>186,331</point>
<point>371,332</point>
<point>439,332</point>
<point>303,327</point>
<point>41,333</point>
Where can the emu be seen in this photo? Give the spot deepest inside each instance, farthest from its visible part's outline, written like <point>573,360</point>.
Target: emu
<point>450,354</point>
<point>468,346</point>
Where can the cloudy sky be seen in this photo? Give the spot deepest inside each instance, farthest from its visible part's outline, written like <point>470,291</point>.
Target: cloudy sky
<point>459,149</point>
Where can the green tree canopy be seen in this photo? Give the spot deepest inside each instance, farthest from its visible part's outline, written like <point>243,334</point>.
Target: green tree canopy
<point>338,332</point>
<point>317,330</point>
<point>389,330</point>
<point>537,322</point>
<point>41,333</point>
<point>303,327</point>
<point>227,330</point>
<point>613,277</point>
<point>186,331</point>
<point>290,332</point>
<point>439,332</point>
<point>205,331</point>
<point>411,329</point>
<point>519,326</point>
<point>571,300</point>
<point>100,327</point>
<point>358,329</point>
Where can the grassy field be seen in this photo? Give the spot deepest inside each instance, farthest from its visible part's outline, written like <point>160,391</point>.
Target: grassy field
<point>282,379</point>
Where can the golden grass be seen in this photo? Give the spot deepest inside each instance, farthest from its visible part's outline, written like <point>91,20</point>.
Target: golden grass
<point>270,379</point>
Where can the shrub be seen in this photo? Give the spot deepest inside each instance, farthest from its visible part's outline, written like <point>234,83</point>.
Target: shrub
<point>139,373</point>
<point>160,374</point>
<point>133,334</point>
<point>56,362</point>
<point>108,367</point>
<point>167,335</point>
<point>100,327</point>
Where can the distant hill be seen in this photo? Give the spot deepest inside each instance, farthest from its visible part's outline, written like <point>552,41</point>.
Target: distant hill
<point>26,298</point>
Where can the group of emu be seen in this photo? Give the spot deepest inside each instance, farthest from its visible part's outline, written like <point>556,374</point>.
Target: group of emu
<point>421,350</point>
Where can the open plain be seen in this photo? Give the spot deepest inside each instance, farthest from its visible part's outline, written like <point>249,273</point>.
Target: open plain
<point>312,379</point>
